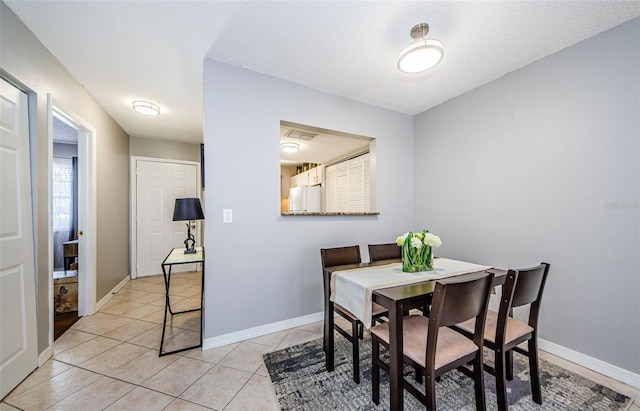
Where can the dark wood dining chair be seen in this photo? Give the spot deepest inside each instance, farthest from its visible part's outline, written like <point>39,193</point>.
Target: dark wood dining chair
<point>431,347</point>
<point>503,333</point>
<point>389,251</point>
<point>332,257</point>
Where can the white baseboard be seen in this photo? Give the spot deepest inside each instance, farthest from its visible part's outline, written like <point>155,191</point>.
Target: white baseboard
<point>109,295</point>
<point>237,336</point>
<point>44,356</point>
<point>599,366</point>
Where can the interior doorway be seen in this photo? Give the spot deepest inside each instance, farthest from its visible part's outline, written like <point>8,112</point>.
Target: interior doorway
<point>72,253</point>
<point>64,221</point>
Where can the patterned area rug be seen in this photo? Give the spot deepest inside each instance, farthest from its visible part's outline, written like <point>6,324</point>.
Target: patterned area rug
<point>301,382</point>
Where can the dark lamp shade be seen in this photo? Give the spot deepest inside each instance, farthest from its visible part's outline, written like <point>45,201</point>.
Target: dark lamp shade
<point>187,209</point>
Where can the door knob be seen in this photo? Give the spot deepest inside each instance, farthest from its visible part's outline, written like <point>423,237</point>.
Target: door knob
<point>80,233</point>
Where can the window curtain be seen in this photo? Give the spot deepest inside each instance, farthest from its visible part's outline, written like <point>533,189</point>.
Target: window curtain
<point>73,228</point>
<point>62,194</point>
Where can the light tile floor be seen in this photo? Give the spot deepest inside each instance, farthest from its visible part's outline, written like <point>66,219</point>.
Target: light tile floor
<point>109,361</point>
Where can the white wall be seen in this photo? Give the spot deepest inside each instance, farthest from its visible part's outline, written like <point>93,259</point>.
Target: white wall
<point>263,267</point>
<point>543,164</point>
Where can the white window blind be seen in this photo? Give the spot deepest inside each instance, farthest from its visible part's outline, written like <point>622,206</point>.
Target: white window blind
<point>342,186</point>
<point>330,189</point>
<point>356,184</point>
<point>367,177</point>
<point>347,185</point>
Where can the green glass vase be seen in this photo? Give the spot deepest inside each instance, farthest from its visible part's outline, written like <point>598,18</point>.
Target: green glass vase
<point>416,259</point>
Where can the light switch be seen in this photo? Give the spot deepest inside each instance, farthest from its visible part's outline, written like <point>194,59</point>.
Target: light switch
<point>227,215</point>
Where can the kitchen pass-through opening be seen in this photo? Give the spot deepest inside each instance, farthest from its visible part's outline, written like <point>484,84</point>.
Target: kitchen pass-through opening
<point>325,171</point>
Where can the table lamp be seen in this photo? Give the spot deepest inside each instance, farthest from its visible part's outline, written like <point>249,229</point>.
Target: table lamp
<point>188,209</point>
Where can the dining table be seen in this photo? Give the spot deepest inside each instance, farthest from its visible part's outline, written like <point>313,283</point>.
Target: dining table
<point>355,286</point>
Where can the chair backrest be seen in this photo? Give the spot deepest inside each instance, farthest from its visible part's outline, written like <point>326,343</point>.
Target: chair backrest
<point>384,251</point>
<point>340,256</point>
<point>456,300</point>
<point>522,287</point>
<point>530,285</point>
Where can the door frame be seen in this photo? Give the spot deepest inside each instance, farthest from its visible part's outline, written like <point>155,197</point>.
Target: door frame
<point>133,213</point>
<point>86,207</point>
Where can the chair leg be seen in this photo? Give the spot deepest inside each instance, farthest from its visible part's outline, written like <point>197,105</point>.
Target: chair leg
<point>418,374</point>
<point>324,340</point>
<point>356,351</point>
<point>509,364</point>
<point>430,390</point>
<point>478,377</point>
<point>501,383</point>
<point>534,371</point>
<point>375,371</point>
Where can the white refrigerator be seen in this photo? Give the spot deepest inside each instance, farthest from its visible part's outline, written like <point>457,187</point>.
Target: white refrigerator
<point>305,199</point>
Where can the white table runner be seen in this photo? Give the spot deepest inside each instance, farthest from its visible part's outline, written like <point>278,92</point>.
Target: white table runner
<point>352,289</point>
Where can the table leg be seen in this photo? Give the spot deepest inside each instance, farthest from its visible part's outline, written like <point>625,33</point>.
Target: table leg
<point>395,357</point>
<point>166,276</point>
<point>328,340</point>
<point>167,283</point>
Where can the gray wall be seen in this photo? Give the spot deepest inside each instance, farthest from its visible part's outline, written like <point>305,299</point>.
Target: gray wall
<point>147,147</point>
<point>543,165</point>
<point>23,57</point>
<point>263,267</point>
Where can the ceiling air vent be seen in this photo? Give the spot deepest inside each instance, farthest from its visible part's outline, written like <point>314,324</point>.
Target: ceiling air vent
<point>300,135</point>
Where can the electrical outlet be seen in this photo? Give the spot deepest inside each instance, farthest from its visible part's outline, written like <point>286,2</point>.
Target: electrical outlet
<point>227,215</point>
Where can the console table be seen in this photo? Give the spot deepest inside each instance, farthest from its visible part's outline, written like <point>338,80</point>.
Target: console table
<point>177,257</point>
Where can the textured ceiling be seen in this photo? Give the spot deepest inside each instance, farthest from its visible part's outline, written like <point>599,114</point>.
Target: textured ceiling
<point>154,50</point>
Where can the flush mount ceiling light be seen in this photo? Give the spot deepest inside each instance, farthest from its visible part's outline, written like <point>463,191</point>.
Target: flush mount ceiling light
<point>289,147</point>
<point>146,108</point>
<point>422,54</point>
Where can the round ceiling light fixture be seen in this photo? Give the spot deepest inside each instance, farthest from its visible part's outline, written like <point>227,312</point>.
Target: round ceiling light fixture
<point>422,54</point>
<point>146,108</point>
<point>289,147</point>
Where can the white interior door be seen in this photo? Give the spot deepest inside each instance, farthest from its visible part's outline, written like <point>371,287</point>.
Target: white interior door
<point>158,184</point>
<point>18,344</point>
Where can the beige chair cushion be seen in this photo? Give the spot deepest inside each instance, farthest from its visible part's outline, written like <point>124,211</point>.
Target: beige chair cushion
<point>450,347</point>
<point>515,328</point>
